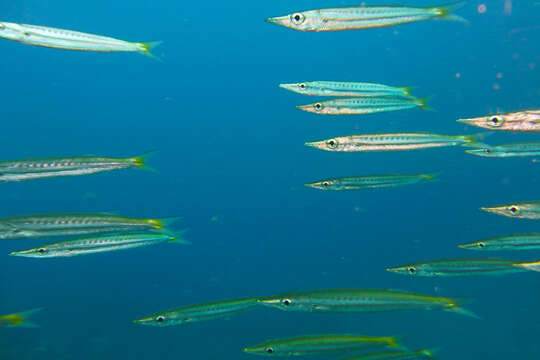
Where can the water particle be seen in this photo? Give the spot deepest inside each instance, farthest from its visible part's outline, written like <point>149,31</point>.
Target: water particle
<point>482,8</point>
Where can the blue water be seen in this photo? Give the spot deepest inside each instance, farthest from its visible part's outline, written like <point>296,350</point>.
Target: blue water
<point>231,163</point>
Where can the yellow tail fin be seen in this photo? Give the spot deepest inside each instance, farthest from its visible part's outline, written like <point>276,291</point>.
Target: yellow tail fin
<point>532,266</point>
<point>141,161</point>
<point>148,47</point>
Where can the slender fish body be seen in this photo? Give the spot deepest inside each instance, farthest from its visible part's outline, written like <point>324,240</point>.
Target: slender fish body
<point>27,169</point>
<point>363,17</point>
<point>351,89</point>
<point>70,40</point>
<point>313,345</point>
<point>507,150</point>
<point>199,312</point>
<point>511,242</point>
<point>528,120</point>
<point>390,142</point>
<point>362,105</point>
<point>394,355</point>
<point>361,300</point>
<point>97,244</point>
<point>527,210</point>
<point>369,182</point>
<point>460,267</point>
<point>53,225</point>
<point>18,319</point>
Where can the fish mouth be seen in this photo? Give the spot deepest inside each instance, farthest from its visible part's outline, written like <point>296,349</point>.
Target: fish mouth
<point>269,301</point>
<point>466,121</point>
<point>311,144</point>
<point>493,210</point>
<point>272,20</point>
<point>393,270</point>
<point>290,87</point>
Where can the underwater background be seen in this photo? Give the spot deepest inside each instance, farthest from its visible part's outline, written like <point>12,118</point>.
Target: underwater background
<point>232,164</point>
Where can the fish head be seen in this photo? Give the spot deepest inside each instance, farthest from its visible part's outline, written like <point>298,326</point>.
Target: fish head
<point>476,245</point>
<point>12,31</point>
<point>493,122</point>
<point>303,21</point>
<point>318,108</point>
<point>333,144</point>
<point>282,302</point>
<point>300,88</point>
<point>262,349</point>
<point>511,210</point>
<point>322,185</point>
<point>485,151</point>
<point>160,319</point>
<point>410,270</point>
<point>37,252</point>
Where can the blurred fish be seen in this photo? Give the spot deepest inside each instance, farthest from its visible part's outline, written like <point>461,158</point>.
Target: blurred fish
<point>336,88</point>
<point>28,169</point>
<point>369,182</point>
<point>54,225</point>
<point>528,120</point>
<point>359,106</point>
<point>199,312</point>
<point>98,244</point>
<point>363,17</point>
<point>511,242</point>
<point>361,300</point>
<point>528,210</point>
<point>461,267</point>
<point>311,345</point>
<point>18,319</point>
<point>506,150</point>
<point>395,355</point>
<point>391,142</point>
<point>71,40</point>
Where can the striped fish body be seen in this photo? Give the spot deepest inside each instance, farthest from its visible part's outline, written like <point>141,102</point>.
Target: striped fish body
<point>357,300</point>
<point>53,225</point>
<point>394,355</point>
<point>361,17</point>
<point>29,169</point>
<point>352,89</point>
<point>389,142</point>
<point>369,182</point>
<point>359,106</point>
<point>512,242</point>
<point>199,312</point>
<point>508,150</point>
<point>459,267</point>
<point>528,120</point>
<point>66,39</point>
<point>529,210</point>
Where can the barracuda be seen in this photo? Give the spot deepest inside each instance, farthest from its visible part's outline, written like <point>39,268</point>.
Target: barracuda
<point>511,242</point>
<point>369,182</point>
<point>335,88</point>
<point>360,106</point>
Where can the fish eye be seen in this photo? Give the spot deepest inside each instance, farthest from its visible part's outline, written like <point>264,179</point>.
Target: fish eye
<point>411,269</point>
<point>318,106</point>
<point>298,18</point>
<point>514,209</point>
<point>302,86</point>
<point>332,143</point>
<point>325,183</point>
<point>160,318</point>
<point>42,251</point>
<point>496,121</point>
<point>269,350</point>
<point>286,302</point>
<point>487,150</point>
<point>481,245</point>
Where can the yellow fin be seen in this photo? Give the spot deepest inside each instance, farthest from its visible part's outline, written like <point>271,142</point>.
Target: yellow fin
<point>141,161</point>
<point>148,47</point>
<point>532,266</point>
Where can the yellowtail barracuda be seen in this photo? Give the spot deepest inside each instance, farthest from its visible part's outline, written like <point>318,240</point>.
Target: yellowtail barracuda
<point>364,17</point>
<point>71,40</point>
<point>528,120</point>
<point>199,312</point>
<point>526,210</point>
<point>29,169</point>
<point>510,242</point>
<point>56,225</point>
<point>506,150</point>
<point>361,300</point>
<point>98,244</point>
<point>360,106</point>
<point>18,319</point>
<point>390,142</point>
<point>462,267</point>
<point>311,345</point>
<point>369,182</point>
<point>352,89</point>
